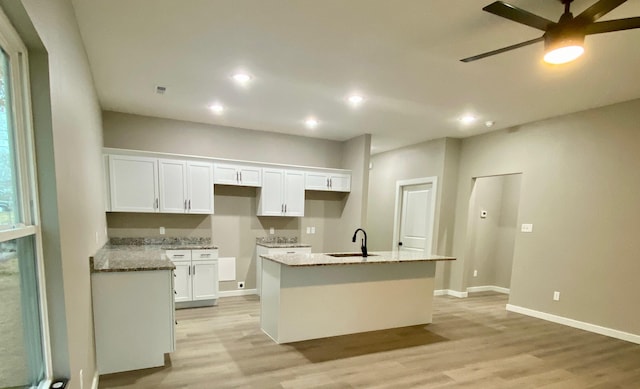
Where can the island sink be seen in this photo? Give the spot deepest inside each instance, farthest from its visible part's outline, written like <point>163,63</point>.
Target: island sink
<point>343,255</point>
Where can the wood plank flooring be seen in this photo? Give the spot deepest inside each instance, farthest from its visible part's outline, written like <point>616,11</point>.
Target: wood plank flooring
<point>472,343</point>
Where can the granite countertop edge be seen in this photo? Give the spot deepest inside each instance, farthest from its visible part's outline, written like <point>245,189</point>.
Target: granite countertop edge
<point>377,257</point>
<point>139,256</point>
<point>282,245</point>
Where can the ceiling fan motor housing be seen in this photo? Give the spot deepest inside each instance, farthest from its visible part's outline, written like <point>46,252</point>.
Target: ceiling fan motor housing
<point>563,35</point>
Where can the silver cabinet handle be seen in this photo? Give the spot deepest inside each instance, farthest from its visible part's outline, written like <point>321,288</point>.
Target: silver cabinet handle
<point>157,204</point>
<point>178,255</point>
<point>282,208</point>
<point>237,176</point>
<point>328,183</point>
<point>189,205</point>
<point>194,270</point>
<point>291,252</point>
<point>285,208</point>
<point>185,205</point>
<point>189,270</point>
<point>240,176</point>
<point>205,255</point>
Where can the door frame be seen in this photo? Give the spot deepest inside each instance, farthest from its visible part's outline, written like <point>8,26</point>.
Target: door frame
<point>400,184</point>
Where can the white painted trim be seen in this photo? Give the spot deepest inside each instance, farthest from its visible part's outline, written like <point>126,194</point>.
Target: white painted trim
<point>449,292</point>
<point>96,378</point>
<point>633,338</point>
<point>233,293</point>
<point>488,288</point>
<point>433,180</point>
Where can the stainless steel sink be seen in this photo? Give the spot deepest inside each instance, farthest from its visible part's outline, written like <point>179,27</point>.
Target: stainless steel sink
<point>342,255</point>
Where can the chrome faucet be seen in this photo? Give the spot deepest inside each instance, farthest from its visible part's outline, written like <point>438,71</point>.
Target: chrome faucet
<point>363,247</point>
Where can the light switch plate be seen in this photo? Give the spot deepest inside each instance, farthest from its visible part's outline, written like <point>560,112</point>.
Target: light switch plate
<point>313,230</point>
<point>527,228</point>
<point>162,231</point>
<point>308,230</point>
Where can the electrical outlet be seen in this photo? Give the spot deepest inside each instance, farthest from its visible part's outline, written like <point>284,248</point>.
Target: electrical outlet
<point>313,230</point>
<point>475,273</point>
<point>308,230</point>
<point>162,231</point>
<point>241,285</point>
<point>526,228</point>
<point>81,379</point>
<point>556,296</point>
<point>272,230</point>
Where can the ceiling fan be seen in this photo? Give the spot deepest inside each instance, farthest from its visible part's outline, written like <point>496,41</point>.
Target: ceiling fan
<point>563,40</point>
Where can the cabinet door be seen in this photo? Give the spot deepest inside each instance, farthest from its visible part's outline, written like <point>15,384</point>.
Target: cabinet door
<point>250,176</point>
<point>316,181</point>
<point>205,280</point>
<point>133,183</point>
<point>182,281</point>
<point>226,174</point>
<point>294,193</point>
<point>340,182</point>
<point>270,200</point>
<point>200,187</point>
<point>173,186</point>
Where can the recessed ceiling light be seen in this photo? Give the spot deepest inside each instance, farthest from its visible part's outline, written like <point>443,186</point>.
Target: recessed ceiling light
<point>355,100</point>
<point>489,123</point>
<point>467,119</point>
<point>311,123</point>
<point>241,78</point>
<point>217,108</point>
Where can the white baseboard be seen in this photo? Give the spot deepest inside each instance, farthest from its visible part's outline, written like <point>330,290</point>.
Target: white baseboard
<point>240,292</point>
<point>488,288</point>
<point>633,338</point>
<point>450,292</point>
<point>94,382</point>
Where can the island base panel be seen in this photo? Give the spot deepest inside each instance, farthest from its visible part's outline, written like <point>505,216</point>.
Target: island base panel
<point>310,302</point>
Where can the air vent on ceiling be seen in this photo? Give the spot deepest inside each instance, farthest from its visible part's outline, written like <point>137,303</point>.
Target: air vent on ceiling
<point>161,89</point>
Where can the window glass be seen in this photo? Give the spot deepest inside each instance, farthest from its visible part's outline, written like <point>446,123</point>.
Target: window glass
<point>8,176</point>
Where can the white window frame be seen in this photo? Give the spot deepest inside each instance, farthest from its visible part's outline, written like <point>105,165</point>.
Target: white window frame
<point>25,162</point>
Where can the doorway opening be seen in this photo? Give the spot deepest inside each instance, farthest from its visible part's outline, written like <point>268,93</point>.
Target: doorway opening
<point>491,232</point>
<point>415,214</point>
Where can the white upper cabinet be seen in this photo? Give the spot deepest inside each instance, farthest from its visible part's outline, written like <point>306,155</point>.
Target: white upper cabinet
<point>173,189</point>
<point>133,183</point>
<point>140,184</point>
<point>229,174</point>
<point>282,193</point>
<point>328,181</point>
<point>199,187</point>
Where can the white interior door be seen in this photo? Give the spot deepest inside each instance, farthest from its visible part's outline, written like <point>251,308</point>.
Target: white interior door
<point>416,217</point>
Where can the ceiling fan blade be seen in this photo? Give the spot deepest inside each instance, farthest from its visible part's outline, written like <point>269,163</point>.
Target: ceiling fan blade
<point>518,15</point>
<point>598,10</point>
<point>502,50</point>
<point>613,25</point>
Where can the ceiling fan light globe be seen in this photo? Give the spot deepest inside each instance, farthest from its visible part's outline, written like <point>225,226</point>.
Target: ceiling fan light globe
<point>563,55</point>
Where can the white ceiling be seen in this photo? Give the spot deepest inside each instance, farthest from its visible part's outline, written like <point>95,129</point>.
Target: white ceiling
<point>308,55</point>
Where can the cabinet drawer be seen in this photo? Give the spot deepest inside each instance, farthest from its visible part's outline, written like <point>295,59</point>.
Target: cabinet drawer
<point>179,255</point>
<point>204,254</point>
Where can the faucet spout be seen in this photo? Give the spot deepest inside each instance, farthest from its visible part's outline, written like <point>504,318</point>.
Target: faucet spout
<point>363,245</point>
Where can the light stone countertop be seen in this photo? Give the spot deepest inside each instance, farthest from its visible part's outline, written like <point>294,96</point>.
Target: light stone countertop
<point>133,254</point>
<point>282,245</point>
<point>395,256</point>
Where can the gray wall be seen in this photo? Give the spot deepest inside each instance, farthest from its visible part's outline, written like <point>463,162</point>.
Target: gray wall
<point>433,158</point>
<point>580,188</point>
<point>136,132</point>
<point>490,240</point>
<point>68,132</point>
<point>235,225</point>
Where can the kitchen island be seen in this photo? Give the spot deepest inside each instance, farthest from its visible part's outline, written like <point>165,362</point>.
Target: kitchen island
<point>310,296</point>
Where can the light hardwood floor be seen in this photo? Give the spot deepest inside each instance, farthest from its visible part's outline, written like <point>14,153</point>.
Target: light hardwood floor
<point>472,343</point>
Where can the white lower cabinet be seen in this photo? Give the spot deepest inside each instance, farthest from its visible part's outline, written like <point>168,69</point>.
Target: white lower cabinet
<point>134,319</point>
<point>196,274</point>
<point>262,250</point>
